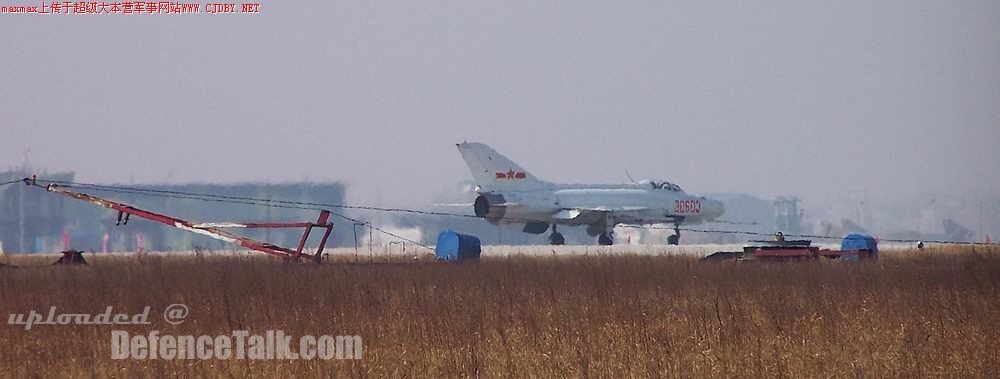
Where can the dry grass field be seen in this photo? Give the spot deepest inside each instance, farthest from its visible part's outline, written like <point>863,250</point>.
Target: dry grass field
<point>932,314</point>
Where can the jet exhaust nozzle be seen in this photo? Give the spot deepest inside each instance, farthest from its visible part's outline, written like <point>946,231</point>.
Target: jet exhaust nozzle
<point>488,207</point>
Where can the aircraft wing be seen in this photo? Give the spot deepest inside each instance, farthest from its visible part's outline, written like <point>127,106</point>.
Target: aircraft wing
<point>574,213</point>
<point>614,209</point>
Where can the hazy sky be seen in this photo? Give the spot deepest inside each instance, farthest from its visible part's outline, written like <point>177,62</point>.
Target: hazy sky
<point>797,98</point>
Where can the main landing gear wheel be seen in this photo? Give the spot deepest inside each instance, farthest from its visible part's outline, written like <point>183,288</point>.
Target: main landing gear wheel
<point>605,239</point>
<point>556,238</point>
<point>676,238</point>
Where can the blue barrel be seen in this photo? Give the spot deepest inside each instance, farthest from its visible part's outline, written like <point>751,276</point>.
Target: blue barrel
<point>859,242</point>
<point>454,247</point>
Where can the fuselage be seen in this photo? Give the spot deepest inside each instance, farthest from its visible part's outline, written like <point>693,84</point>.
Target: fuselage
<point>629,205</point>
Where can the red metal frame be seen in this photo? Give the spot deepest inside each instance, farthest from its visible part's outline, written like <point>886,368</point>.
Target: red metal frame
<point>803,252</point>
<point>214,230</point>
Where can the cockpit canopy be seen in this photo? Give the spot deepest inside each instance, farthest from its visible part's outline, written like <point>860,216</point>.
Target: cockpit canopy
<point>660,185</point>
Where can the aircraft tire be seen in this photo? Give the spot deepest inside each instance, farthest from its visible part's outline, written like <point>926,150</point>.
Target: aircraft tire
<point>605,239</point>
<point>557,239</point>
<point>673,239</point>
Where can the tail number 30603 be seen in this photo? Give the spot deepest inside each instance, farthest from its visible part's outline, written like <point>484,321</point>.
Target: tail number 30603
<point>687,206</point>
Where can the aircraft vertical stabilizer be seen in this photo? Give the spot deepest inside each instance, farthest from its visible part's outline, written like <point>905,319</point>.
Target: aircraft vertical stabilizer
<point>493,172</point>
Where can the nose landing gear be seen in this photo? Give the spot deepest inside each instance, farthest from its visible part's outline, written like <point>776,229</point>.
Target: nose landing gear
<point>675,239</point>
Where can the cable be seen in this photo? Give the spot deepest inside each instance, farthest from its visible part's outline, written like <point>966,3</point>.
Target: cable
<point>181,193</point>
<point>314,205</point>
<point>380,230</point>
<point>11,182</point>
<point>302,205</point>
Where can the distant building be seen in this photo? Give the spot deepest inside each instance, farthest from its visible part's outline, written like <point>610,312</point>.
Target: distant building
<point>30,219</point>
<point>786,215</point>
<point>33,220</point>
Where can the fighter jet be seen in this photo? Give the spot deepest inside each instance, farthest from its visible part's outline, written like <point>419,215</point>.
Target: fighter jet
<point>510,195</point>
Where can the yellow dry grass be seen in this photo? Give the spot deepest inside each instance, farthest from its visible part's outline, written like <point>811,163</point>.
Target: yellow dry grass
<point>932,314</point>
